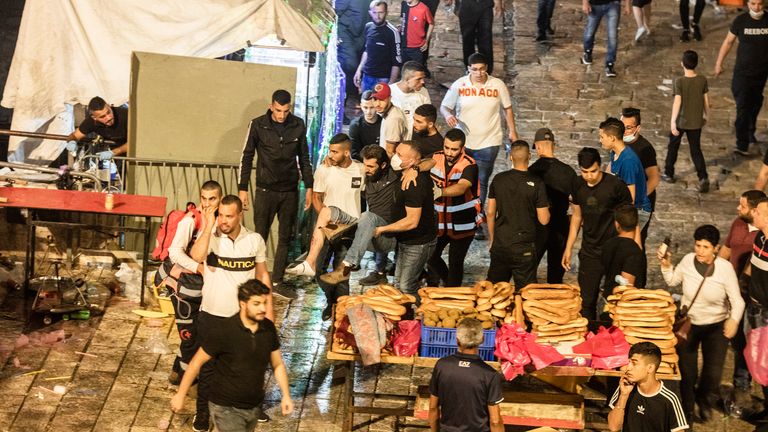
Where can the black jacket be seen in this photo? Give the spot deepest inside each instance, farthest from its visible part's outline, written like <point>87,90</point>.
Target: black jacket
<point>276,168</point>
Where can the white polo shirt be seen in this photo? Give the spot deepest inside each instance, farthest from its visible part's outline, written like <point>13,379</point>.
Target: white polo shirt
<point>478,109</point>
<point>408,102</point>
<point>229,264</point>
<point>341,186</point>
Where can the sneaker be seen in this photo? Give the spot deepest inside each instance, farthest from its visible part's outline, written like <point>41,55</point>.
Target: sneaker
<point>282,291</point>
<point>550,30</point>
<point>374,278</point>
<point>696,32</point>
<point>263,417</point>
<point>586,58</point>
<point>685,36</point>
<point>301,269</point>
<point>668,178</point>
<point>200,424</point>
<point>541,37</point>
<point>480,234</point>
<point>174,378</point>
<point>704,185</point>
<point>609,70</point>
<point>337,276</point>
<point>740,152</point>
<point>327,312</point>
<point>642,31</point>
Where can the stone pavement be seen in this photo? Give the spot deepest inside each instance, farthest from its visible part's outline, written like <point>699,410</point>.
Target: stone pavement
<point>119,385</point>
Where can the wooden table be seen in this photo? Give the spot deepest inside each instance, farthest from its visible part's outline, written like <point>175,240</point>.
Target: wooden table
<point>143,206</point>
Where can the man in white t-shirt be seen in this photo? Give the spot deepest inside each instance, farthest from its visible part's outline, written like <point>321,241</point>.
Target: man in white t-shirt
<point>335,197</point>
<point>473,104</point>
<point>409,93</point>
<point>394,126</point>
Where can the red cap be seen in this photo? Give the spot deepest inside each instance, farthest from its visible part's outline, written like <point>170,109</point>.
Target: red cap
<point>381,91</point>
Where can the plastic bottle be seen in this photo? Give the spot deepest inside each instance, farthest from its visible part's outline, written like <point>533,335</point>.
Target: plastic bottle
<point>664,247</point>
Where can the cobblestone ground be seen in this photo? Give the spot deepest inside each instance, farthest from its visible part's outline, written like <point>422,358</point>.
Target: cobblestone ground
<point>119,385</point>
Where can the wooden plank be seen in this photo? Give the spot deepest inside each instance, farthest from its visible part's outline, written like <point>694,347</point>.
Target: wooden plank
<point>619,374</point>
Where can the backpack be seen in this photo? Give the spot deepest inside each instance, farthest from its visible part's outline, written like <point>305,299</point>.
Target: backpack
<point>168,229</point>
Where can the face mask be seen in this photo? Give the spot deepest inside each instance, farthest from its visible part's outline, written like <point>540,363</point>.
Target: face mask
<point>756,15</point>
<point>629,138</point>
<point>396,163</point>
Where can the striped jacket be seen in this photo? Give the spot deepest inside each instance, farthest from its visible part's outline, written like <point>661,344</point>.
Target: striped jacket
<point>457,217</point>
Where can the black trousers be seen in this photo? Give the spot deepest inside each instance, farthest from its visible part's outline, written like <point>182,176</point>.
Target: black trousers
<point>476,25</point>
<point>205,322</point>
<point>713,348</point>
<point>694,142</point>
<point>685,13</point>
<point>748,95</point>
<point>591,273</point>
<point>552,239</point>
<point>517,262</point>
<point>285,205</point>
<point>451,274</point>
<point>334,252</point>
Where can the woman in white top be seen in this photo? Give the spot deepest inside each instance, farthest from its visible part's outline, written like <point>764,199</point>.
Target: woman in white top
<point>715,316</point>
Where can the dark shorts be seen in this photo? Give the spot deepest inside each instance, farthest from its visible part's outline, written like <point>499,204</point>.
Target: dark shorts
<point>640,3</point>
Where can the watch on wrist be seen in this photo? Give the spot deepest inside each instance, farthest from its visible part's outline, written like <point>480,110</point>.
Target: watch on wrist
<point>415,167</point>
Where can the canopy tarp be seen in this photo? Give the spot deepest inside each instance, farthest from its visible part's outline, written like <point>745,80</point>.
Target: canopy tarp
<point>71,50</point>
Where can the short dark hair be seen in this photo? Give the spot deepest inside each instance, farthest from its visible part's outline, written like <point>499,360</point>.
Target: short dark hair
<point>456,135</point>
<point>427,111</point>
<point>477,58</point>
<point>626,216</point>
<point>232,199</point>
<point>412,144</point>
<point>281,96</point>
<point>753,197</point>
<point>375,151</point>
<point>340,138</point>
<point>520,143</point>
<point>412,66</point>
<point>96,104</point>
<point>212,185</point>
<point>630,112</point>
<point>588,156</point>
<point>647,349</point>
<point>613,127</point>
<point>690,59</point>
<point>707,232</point>
<point>367,95</point>
<point>250,288</point>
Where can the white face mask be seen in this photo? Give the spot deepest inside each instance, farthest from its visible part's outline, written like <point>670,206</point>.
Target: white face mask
<point>630,138</point>
<point>396,163</point>
<point>756,15</point>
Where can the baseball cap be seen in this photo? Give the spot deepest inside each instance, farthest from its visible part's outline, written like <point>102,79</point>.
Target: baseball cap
<point>381,91</point>
<point>544,134</point>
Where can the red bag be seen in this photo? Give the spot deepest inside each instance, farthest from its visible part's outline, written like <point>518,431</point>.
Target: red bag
<point>510,349</point>
<point>168,229</point>
<point>407,337</point>
<point>609,348</point>
<point>541,355</point>
<point>756,354</point>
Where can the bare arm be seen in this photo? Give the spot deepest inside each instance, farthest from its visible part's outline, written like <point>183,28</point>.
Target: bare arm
<point>199,250</point>
<point>394,73</point>
<point>762,178</point>
<point>725,252</point>
<point>449,114</point>
<point>616,416</point>
<point>725,48</point>
<point>434,414</point>
<point>263,276</point>
<point>281,376</point>
<point>193,370</point>
<point>490,215</point>
<point>430,29</point>
<point>509,116</point>
<point>542,214</point>
<point>629,277</point>
<point>678,101</point>
<point>76,135</point>
<point>494,414</point>
<point>409,222</point>
<point>317,201</point>
<point>653,176</point>
<point>457,189</point>
<point>391,147</point>
<point>707,107</point>
<point>573,232</point>
<point>358,77</point>
<point>632,191</point>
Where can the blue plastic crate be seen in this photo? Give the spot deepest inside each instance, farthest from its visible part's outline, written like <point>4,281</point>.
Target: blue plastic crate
<point>447,337</point>
<point>439,351</point>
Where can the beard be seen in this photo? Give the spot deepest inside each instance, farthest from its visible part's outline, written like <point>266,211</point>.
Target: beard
<point>746,218</point>
<point>421,133</point>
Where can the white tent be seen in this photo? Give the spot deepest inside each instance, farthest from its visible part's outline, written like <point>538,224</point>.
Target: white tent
<point>71,50</point>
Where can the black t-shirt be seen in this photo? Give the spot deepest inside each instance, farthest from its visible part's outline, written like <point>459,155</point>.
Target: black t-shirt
<point>518,194</point>
<point>661,412</point>
<point>240,360</point>
<point>751,58</point>
<point>559,179</point>
<point>380,193</point>
<point>465,386</point>
<point>428,144</point>
<point>417,196</point>
<point>382,44</point>
<point>620,254</point>
<point>758,284</point>
<point>647,155</point>
<point>362,133</point>
<point>118,132</point>
<point>597,204</point>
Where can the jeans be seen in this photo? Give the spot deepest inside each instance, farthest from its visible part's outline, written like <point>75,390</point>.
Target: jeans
<point>591,272</point>
<point>544,17</point>
<point>611,11</point>
<point>476,25</point>
<point>518,262</point>
<point>368,82</point>
<point>364,240</point>
<point>685,13</point>
<point>231,419</point>
<point>452,274</point>
<point>748,95</point>
<point>485,159</point>
<point>551,239</point>
<point>411,260</point>
<point>713,348</point>
<point>756,316</point>
<point>285,205</point>
<point>742,379</point>
<point>694,142</point>
<point>414,54</point>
